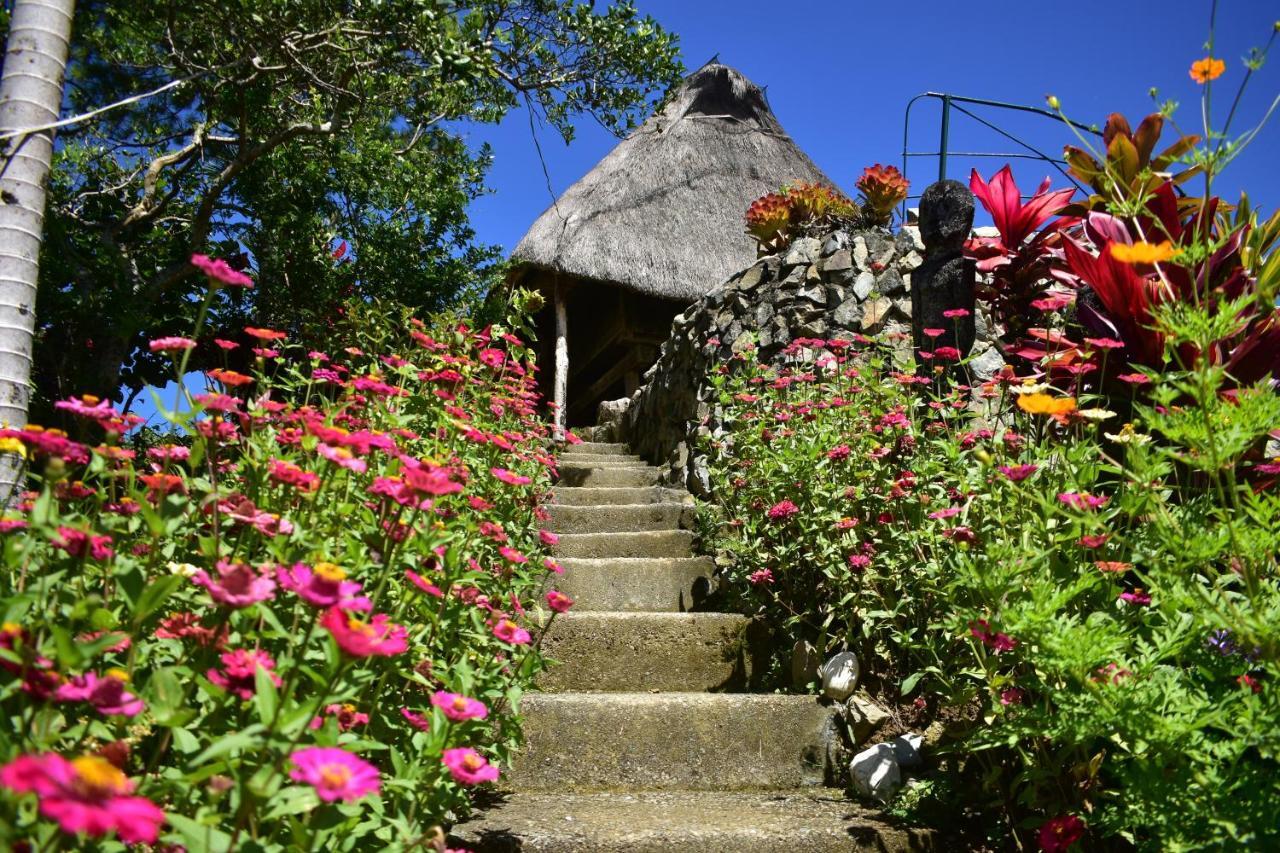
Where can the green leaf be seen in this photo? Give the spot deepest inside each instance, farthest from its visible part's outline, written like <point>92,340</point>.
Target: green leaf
<point>265,696</point>
<point>909,683</point>
<point>199,836</point>
<point>154,595</point>
<point>230,743</point>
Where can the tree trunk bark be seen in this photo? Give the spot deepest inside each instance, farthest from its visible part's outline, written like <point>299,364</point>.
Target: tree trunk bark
<point>562,363</point>
<point>35,61</point>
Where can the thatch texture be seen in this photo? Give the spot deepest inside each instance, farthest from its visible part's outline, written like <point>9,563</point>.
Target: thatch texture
<point>663,212</point>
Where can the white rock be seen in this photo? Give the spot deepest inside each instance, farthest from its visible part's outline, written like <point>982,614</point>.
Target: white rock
<point>840,676</point>
<point>865,283</point>
<point>875,772</point>
<point>864,716</point>
<point>906,748</point>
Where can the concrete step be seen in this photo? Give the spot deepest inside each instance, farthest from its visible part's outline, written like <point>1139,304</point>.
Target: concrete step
<point>634,652</point>
<point>670,742</point>
<point>613,518</point>
<point>603,460</point>
<point>803,821</point>
<point>646,543</point>
<point>594,447</point>
<point>581,496</point>
<point>577,475</point>
<point>663,584</point>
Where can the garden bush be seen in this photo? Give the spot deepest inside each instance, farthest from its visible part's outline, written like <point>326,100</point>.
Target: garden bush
<point>301,619</point>
<point>1074,565</point>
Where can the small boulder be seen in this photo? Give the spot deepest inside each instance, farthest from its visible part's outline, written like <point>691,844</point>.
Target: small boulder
<point>804,251</point>
<point>906,749</point>
<point>804,664</point>
<point>864,716</point>
<point>840,676</point>
<point>875,772</point>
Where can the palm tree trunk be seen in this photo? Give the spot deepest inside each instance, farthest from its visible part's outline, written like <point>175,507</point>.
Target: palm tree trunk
<point>30,97</point>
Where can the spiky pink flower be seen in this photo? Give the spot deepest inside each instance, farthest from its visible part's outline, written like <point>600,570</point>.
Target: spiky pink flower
<point>558,601</point>
<point>509,632</point>
<point>322,585</point>
<point>782,511</point>
<point>423,584</point>
<point>1018,473</point>
<point>510,478</point>
<point>358,638</point>
<point>239,672</point>
<point>347,715</point>
<point>335,773</point>
<point>106,693</point>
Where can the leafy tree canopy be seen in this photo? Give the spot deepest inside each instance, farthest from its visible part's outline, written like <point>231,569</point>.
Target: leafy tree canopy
<point>313,140</point>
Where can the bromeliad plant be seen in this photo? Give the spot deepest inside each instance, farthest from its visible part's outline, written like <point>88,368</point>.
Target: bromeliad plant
<point>304,621</point>
<point>775,219</point>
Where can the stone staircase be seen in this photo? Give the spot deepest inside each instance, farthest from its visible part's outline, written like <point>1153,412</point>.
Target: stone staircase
<point>640,739</point>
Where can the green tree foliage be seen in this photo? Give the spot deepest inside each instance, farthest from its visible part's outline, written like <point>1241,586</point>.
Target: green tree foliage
<point>300,127</point>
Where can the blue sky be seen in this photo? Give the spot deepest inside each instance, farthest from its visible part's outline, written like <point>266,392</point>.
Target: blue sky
<point>839,74</point>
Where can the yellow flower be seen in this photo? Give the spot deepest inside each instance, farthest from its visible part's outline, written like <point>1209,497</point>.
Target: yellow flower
<point>1143,252</point>
<point>12,445</point>
<point>1204,70</point>
<point>1045,404</point>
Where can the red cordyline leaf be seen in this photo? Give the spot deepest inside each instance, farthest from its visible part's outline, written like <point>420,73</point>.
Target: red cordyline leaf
<point>1126,296</point>
<point>1014,220</point>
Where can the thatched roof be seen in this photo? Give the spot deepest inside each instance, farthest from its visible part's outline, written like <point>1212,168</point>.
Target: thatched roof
<point>663,212</point>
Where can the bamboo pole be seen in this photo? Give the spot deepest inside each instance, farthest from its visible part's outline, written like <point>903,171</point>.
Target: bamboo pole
<point>562,362</point>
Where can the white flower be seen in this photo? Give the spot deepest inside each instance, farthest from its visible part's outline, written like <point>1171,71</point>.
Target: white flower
<point>184,569</point>
<point>1096,414</point>
<point>1029,387</point>
<point>1128,436</point>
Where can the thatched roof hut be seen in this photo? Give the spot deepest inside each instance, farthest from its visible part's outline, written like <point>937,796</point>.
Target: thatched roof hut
<point>656,224</point>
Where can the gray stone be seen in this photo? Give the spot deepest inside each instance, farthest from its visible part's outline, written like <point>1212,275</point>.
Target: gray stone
<point>860,252</point>
<point>837,241</point>
<point>890,282</point>
<point>805,251</point>
<point>816,328</point>
<point>752,277</point>
<point>865,283</point>
<point>946,215</point>
<point>874,772</point>
<point>874,314</point>
<point>841,260</point>
<point>816,294</point>
<point>986,363</point>
<point>840,676</point>
<point>906,749</point>
<point>849,314</point>
<point>804,664</point>
<point>864,716</point>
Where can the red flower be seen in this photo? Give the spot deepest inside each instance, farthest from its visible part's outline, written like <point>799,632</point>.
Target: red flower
<point>1014,220</point>
<point>783,510</point>
<point>239,672</point>
<point>1060,833</point>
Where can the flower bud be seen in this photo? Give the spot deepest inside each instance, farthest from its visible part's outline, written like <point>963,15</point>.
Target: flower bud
<point>1053,102</point>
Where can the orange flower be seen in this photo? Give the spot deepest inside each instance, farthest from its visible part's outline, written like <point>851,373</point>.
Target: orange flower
<point>1143,252</point>
<point>1046,404</point>
<point>1204,70</point>
<point>229,377</point>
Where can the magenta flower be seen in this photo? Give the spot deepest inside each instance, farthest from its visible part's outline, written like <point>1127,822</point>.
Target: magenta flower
<point>239,672</point>
<point>323,585</point>
<point>839,453</point>
<point>1136,597</point>
<point>468,767</point>
<point>558,601</point>
<point>88,795</point>
<point>238,585</point>
<point>459,708</point>
<point>361,639</point>
<point>77,543</point>
<point>220,271</point>
<point>348,717</point>
<point>760,577</point>
<point>512,555</point>
<point>509,632</point>
<point>956,313</point>
<point>783,510</point>
<point>510,478</point>
<point>859,561</point>
<point>945,513</point>
<point>997,642</point>
<point>106,693</point>
<point>1082,500</point>
<point>1018,473</point>
<point>423,584</point>
<point>335,773</point>
<point>1012,696</point>
<point>548,538</point>
<point>171,344</point>
<point>343,457</point>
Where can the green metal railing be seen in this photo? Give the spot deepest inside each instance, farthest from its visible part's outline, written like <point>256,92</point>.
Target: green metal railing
<point>959,104</point>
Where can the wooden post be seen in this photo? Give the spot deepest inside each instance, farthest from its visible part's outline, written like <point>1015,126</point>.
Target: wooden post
<point>562,362</point>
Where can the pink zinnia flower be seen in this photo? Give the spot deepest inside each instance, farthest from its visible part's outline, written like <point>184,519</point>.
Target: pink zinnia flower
<point>1060,833</point>
<point>509,477</point>
<point>945,513</point>
<point>1136,597</point>
<point>459,708</point>
<point>839,453</point>
<point>548,538</point>
<point>1082,500</point>
<point>323,585</point>
<point>361,639</point>
<point>343,457</point>
<point>423,584</point>
<point>418,721</point>
<point>859,561</point>
<point>106,693</point>
<point>348,717</point>
<point>1094,541</point>
<point>1018,473</point>
<point>512,555</point>
<point>956,313</point>
<point>997,642</point>
<point>78,543</point>
<point>87,795</point>
<point>220,271</point>
<point>171,344</point>
<point>239,672</point>
<point>558,601</point>
<point>1012,696</point>
<point>1134,379</point>
<point>509,632</point>
<point>469,767</point>
<point>335,773</point>
<point>783,510</point>
<point>1115,566</point>
<point>238,585</point>
<point>760,577</point>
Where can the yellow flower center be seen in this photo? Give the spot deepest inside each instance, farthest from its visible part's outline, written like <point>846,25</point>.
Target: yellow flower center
<point>459,703</point>
<point>334,775</point>
<point>329,572</point>
<point>94,774</point>
<point>13,445</point>
<point>118,674</point>
<point>360,627</point>
<point>473,762</point>
<point>11,628</point>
